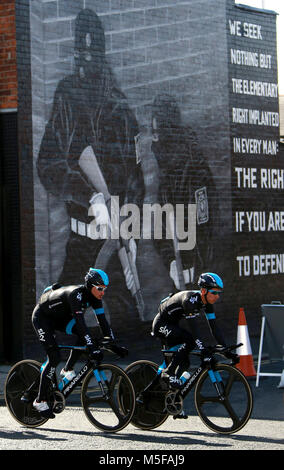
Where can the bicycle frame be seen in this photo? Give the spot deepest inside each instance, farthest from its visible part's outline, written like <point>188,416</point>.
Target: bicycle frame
<point>190,383</point>
<point>65,386</point>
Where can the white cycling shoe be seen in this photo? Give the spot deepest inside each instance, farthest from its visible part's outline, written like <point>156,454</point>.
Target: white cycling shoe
<point>43,408</point>
<point>68,374</point>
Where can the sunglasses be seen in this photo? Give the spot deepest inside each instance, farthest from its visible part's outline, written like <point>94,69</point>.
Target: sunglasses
<point>101,289</point>
<point>215,292</point>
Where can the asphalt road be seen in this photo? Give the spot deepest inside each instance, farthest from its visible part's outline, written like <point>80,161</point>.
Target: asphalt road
<point>174,439</point>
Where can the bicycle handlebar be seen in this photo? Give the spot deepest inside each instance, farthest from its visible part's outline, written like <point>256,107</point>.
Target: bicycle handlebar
<point>217,350</point>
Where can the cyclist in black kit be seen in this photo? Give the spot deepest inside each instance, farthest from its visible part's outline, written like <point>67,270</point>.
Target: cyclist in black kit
<point>189,305</point>
<point>62,308</point>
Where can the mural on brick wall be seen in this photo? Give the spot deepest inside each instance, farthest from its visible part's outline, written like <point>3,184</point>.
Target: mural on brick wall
<point>136,147</point>
<point>137,199</point>
<point>87,155</point>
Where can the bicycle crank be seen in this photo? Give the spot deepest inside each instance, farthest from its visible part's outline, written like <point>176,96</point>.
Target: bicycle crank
<point>173,403</point>
<point>59,402</point>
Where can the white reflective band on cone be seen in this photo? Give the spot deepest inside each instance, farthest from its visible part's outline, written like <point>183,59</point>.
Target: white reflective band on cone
<point>243,337</point>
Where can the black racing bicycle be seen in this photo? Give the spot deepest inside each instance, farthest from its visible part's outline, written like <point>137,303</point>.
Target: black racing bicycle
<point>223,397</point>
<point>107,394</point>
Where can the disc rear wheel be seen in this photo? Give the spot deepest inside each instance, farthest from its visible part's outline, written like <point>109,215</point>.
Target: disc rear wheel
<point>150,405</point>
<point>21,389</point>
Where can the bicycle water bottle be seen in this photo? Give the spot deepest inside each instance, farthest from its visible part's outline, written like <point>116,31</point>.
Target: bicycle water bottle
<point>184,376</point>
<point>62,383</point>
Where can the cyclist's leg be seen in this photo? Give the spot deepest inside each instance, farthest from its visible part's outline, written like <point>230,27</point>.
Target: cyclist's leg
<point>45,335</point>
<point>74,353</point>
<point>177,335</point>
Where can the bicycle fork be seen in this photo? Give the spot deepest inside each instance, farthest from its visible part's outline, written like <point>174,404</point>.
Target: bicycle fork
<point>217,381</point>
<point>102,379</point>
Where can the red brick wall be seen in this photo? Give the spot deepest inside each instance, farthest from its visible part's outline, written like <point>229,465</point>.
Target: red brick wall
<point>8,65</point>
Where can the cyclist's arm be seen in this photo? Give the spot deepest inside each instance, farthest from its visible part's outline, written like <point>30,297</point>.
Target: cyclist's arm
<point>190,314</point>
<point>104,325</point>
<point>215,330</point>
<point>78,312</point>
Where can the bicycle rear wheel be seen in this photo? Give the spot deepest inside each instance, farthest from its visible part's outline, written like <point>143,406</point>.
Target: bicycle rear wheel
<point>22,379</point>
<point>149,410</point>
<point>229,412</point>
<point>108,398</point>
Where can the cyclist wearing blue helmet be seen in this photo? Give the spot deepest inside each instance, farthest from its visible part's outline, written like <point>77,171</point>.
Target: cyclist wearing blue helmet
<point>62,308</point>
<point>188,305</point>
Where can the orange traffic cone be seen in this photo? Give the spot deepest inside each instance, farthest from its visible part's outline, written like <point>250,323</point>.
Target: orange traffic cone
<point>246,364</point>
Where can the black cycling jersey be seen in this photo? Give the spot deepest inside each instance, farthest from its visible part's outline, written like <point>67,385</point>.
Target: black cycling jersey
<point>188,305</point>
<point>64,307</point>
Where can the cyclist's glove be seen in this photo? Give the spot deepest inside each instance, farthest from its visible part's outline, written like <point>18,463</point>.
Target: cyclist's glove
<point>235,358</point>
<point>119,350</point>
<point>96,355</point>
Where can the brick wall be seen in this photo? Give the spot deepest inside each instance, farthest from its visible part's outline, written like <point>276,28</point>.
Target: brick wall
<point>8,66</point>
<point>153,47</point>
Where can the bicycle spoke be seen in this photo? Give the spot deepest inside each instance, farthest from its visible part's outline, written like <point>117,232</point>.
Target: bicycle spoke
<point>114,407</point>
<point>111,384</point>
<point>229,384</point>
<point>95,400</point>
<point>209,399</point>
<point>231,412</point>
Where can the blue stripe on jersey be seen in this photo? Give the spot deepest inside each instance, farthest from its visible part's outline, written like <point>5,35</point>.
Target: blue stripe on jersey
<point>99,311</point>
<point>210,316</point>
<point>47,289</point>
<point>70,326</point>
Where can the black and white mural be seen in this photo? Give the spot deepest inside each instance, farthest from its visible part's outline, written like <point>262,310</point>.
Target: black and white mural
<point>138,138</point>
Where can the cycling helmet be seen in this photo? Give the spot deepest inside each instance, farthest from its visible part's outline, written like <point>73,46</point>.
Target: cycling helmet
<point>96,277</point>
<point>210,281</point>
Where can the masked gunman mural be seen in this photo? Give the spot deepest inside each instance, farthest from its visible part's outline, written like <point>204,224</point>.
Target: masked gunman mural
<point>87,155</point>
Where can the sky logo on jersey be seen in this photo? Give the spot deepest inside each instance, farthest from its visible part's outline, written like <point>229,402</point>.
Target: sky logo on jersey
<point>164,331</point>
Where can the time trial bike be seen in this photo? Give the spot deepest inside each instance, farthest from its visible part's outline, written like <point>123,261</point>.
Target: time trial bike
<point>223,397</point>
<point>107,394</point>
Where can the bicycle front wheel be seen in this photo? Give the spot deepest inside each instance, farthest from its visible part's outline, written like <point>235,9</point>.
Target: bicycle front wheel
<point>20,390</point>
<point>108,398</point>
<point>223,399</point>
